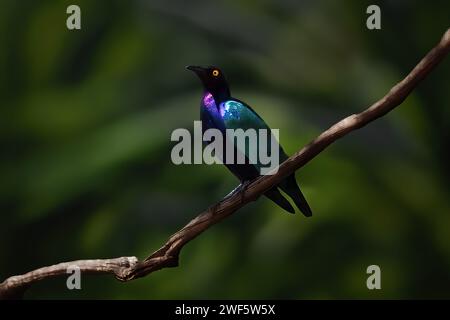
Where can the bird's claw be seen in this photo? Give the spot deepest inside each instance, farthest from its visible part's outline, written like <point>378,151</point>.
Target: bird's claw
<point>243,188</point>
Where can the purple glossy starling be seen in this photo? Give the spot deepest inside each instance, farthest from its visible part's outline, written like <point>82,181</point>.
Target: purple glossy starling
<point>219,110</point>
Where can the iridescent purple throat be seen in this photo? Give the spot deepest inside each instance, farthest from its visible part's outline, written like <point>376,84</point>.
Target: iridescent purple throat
<point>208,100</point>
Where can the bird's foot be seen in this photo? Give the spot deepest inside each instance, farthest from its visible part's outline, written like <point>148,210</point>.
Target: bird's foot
<point>240,188</point>
<point>234,191</point>
<point>243,187</point>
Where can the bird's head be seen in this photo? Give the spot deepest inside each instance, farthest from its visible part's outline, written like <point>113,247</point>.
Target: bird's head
<point>213,81</point>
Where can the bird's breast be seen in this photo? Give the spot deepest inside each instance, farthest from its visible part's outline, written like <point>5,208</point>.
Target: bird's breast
<point>208,101</point>
<point>209,113</point>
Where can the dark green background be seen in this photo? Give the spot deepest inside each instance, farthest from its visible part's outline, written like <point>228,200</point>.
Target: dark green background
<point>85,167</point>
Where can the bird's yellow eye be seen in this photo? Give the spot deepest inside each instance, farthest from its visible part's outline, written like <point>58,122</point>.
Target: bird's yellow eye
<point>215,73</point>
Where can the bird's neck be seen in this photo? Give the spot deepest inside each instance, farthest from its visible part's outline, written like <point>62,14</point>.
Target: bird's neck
<point>208,100</point>
<point>220,95</point>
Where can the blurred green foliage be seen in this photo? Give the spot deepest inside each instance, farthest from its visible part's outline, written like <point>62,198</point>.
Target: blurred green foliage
<point>85,167</point>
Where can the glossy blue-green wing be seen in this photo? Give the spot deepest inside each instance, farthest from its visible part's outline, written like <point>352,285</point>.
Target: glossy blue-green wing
<point>238,115</point>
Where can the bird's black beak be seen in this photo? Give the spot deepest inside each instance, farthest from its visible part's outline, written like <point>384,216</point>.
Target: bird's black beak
<point>198,70</point>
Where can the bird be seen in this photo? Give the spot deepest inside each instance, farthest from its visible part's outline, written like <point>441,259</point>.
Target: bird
<point>219,110</point>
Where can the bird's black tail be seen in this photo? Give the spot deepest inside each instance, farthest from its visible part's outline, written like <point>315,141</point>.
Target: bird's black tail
<point>290,186</point>
<point>275,195</point>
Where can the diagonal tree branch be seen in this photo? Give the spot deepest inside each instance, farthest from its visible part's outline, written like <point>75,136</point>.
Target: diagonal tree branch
<point>129,268</point>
